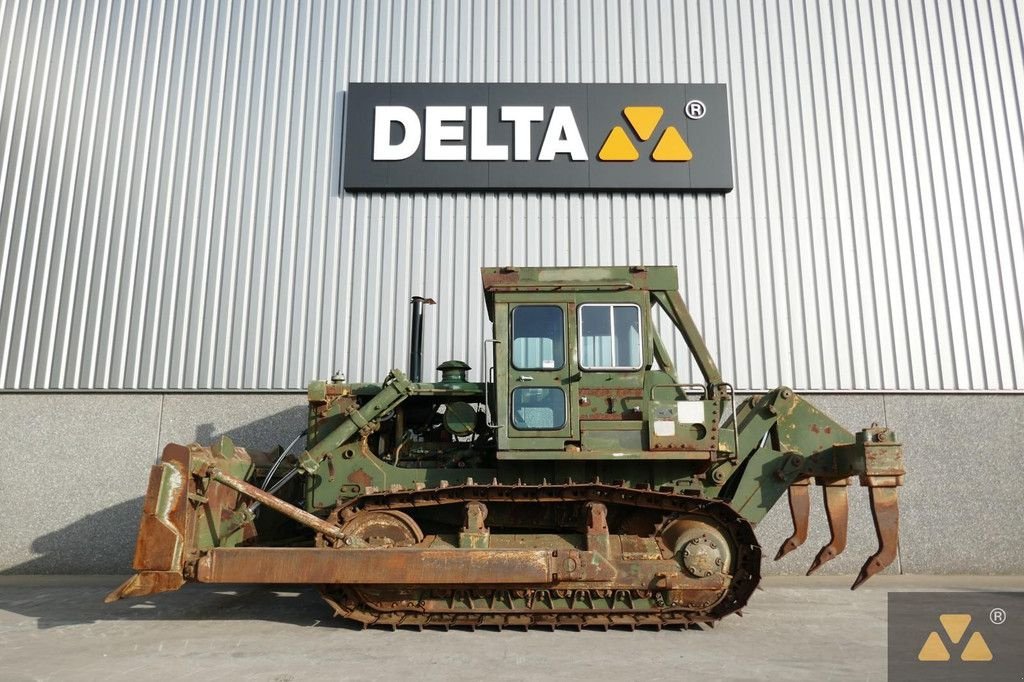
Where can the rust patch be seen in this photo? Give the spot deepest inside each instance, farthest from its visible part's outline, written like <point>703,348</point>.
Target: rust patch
<point>396,566</point>
<point>883,460</point>
<point>360,478</point>
<point>837,509</point>
<point>612,392</point>
<point>800,511</point>
<point>611,417</point>
<point>886,515</point>
<point>498,278</point>
<point>146,583</point>
<point>163,523</point>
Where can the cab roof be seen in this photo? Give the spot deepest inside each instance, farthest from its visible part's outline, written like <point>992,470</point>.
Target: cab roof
<point>600,278</point>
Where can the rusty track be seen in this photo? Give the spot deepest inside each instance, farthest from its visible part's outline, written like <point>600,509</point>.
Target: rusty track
<point>544,606</point>
<point>603,609</point>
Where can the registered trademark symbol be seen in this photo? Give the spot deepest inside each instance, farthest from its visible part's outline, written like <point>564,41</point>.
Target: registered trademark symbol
<point>997,616</point>
<point>695,109</point>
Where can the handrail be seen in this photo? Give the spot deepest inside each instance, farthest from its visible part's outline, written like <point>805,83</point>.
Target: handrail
<point>490,373</point>
<point>700,387</point>
<point>735,424</point>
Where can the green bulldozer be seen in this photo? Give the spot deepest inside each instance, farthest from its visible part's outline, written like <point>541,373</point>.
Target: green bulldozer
<point>581,484</point>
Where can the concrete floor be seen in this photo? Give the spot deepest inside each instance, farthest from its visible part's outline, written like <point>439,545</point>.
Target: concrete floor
<point>58,628</point>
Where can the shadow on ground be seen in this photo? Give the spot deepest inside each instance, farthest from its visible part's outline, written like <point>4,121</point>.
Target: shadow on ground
<point>53,604</point>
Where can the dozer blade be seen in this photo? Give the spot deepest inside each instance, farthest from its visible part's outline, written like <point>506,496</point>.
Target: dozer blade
<point>800,510</point>
<point>183,512</point>
<point>886,514</point>
<point>146,583</point>
<point>837,509</point>
<point>162,528</point>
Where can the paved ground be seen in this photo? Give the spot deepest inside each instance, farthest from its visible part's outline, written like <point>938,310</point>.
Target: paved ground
<point>58,628</point>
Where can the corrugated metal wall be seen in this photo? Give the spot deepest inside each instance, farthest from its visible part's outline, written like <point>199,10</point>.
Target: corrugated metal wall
<point>171,215</point>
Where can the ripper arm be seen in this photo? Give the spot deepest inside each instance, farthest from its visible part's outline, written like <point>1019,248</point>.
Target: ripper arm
<point>785,442</point>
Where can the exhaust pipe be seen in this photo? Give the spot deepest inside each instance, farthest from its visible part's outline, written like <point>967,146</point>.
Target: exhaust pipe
<point>416,338</point>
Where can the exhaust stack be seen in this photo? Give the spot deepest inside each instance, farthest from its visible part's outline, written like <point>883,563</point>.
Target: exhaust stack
<point>416,338</point>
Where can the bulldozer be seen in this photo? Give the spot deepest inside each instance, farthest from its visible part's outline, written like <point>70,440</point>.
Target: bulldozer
<point>581,484</point>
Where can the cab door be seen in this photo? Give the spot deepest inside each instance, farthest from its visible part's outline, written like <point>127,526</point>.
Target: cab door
<point>539,368</point>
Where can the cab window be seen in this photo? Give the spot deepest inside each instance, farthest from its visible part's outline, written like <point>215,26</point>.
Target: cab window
<point>610,336</point>
<point>537,337</point>
<point>538,408</point>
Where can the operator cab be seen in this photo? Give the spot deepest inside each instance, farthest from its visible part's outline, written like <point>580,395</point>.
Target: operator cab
<point>579,372</point>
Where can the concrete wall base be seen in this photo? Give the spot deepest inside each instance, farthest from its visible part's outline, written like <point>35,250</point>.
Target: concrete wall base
<point>73,469</point>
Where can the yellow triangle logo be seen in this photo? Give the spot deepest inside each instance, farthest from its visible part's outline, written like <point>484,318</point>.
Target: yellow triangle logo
<point>933,649</point>
<point>955,625</point>
<point>643,120</point>
<point>618,147</point>
<point>672,147</point>
<point>976,649</point>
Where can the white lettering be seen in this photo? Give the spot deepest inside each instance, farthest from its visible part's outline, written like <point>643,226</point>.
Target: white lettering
<point>384,118</point>
<point>479,149</point>
<point>443,134</point>
<point>436,132</point>
<point>521,118</point>
<point>562,137</point>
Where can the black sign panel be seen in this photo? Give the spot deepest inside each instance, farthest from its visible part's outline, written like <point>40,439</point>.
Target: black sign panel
<point>536,137</point>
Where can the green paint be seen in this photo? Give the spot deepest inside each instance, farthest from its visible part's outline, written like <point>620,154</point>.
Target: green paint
<point>635,424</point>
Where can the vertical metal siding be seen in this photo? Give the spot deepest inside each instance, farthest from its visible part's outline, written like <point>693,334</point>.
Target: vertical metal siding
<point>171,215</point>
